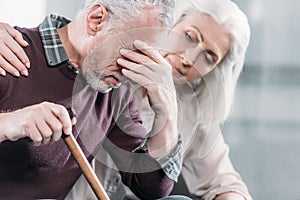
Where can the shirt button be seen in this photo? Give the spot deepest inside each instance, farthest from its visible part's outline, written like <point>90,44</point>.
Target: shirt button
<point>72,68</point>
<point>69,67</point>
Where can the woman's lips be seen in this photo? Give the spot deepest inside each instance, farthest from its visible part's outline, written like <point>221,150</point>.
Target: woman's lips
<point>176,70</point>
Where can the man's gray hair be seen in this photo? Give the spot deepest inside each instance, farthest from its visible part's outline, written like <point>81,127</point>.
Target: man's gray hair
<point>125,10</point>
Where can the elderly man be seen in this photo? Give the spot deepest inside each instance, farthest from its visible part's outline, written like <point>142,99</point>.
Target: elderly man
<point>34,107</point>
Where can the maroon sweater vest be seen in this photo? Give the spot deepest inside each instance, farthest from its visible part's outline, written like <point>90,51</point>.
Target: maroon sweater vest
<point>49,171</point>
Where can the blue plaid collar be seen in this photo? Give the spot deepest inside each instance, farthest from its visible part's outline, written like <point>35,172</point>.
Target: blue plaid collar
<point>55,52</point>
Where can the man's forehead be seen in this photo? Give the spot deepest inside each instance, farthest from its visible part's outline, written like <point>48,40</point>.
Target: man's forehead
<point>158,38</point>
<point>149,35</point>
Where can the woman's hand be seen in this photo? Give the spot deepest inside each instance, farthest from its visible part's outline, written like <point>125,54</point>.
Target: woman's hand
<point>12,56</point>
<point>42,123</point>
<point>151,71</point>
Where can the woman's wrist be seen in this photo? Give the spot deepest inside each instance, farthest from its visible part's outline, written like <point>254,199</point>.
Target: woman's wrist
<point>230,196</point>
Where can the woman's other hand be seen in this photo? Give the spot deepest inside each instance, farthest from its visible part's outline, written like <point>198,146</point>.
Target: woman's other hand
<point>12,56</point>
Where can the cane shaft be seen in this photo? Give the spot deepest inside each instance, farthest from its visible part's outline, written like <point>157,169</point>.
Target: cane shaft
<point>85,167</point>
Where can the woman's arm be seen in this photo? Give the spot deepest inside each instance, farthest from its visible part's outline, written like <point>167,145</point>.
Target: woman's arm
<point>214,176</point>
<point>230,196</point>
<point>12,56</point>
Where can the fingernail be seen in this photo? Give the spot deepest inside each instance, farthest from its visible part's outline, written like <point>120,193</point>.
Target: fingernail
<point>16,74</point>
<point>123,71</point>
<point>119,60</point>
<point>139,43</point>
<point>124,51</point>
<point>73,121</point>
<point>25,42</point>
<point>27,65</point>
<point>25,72</point>
<point>68,131</point>
<point>2,72</point>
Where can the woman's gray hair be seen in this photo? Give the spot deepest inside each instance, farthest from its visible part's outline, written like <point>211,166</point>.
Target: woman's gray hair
<point>218,87</point>
<point>124,10</point>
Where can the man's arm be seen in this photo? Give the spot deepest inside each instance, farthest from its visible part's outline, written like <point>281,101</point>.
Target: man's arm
<point>12,56</point>
<point>152,72</point>
<point>147,177</point>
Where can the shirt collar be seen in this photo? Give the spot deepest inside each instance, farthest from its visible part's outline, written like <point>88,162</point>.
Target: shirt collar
<point>54,50</point>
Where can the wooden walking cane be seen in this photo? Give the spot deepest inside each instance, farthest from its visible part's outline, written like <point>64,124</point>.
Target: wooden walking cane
<point>83,163</point>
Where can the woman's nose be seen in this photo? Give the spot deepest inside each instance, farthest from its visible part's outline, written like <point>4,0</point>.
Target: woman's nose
<point>191,55</point>
<point>186,62</point>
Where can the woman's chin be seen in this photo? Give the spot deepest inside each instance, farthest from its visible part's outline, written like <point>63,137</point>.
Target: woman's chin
<point>180,80</point>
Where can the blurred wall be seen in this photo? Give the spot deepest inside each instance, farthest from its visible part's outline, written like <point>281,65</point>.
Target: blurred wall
<point>264,130</point>
<point>27,13</point>
<point>65,7</point>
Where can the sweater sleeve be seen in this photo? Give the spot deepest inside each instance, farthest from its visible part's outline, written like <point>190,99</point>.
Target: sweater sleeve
<point>140,172</point>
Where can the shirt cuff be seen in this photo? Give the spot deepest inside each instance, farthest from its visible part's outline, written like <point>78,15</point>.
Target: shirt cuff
<point>170,164</point>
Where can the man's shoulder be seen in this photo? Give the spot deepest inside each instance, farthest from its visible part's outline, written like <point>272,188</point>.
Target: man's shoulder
<point>31,35</point>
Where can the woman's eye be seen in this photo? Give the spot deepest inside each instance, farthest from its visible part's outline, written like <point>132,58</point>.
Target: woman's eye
<point>189,36</point>
<point>208,59</point>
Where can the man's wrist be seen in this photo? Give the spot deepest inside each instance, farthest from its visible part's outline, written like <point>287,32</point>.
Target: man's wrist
<point>164,148</point>
<point>163,138</point>
<point>172,163</point>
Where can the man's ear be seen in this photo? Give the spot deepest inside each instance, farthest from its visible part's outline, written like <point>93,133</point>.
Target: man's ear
<point>95,17</point>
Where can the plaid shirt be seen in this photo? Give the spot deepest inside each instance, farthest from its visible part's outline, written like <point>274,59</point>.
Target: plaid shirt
<point>56,54</point>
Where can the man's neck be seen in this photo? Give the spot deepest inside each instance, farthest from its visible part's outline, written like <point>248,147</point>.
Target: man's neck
<point>69,39</point>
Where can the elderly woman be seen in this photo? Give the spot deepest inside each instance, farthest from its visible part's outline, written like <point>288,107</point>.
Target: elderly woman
<point>209,44</point>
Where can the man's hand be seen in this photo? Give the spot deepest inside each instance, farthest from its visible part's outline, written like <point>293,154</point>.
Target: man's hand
<point>12,56</point>
<point>42,123</point>
<point>150,70</point>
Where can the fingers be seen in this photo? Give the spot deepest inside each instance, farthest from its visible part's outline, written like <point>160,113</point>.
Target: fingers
<point>5,66</point>
<point>45,133</point>
<point>11,62</point>
<point>150,52</point>
<point>138,78</point>
<point>16,35</point>
<point>55,127</point>
<point>136,68</point>
<point>137,57</point>
<point>13,57</point>
<point>49,124</point>
<point>42,123</point>
<point>2,72</point>
<point>35,136</point>
<point>63,116</point>
<point>148,57</point>
<point>20,53</point>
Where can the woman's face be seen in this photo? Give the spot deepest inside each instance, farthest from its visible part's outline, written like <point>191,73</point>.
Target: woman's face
<point>203,44</point>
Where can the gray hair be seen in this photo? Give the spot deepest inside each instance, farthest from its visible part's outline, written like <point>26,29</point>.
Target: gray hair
<point>223,80</point>
<point>124,10</point>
